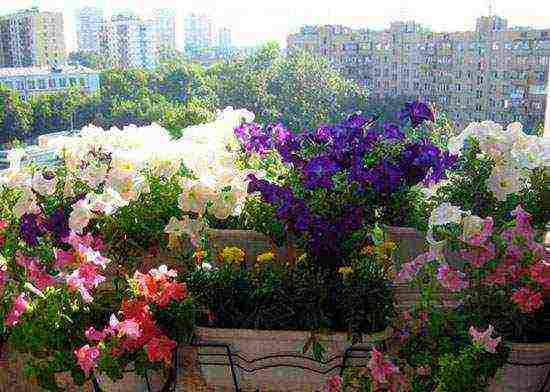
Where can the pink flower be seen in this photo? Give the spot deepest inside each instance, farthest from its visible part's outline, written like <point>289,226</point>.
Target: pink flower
<point>480,238</point>
<point>172,291</point>
<point>63,258</point>
<point>484,339</point>
<point>160,349</point>
<point>451,278</point>
<point>334,384</point>
<point>4,224</point>
<point>87,358</point>
<point>540,272</point>
<point>411,269</point>
<point>83,279</point>
<point>3,277</point>
<point>528,299</point>
<point>94,335</point>
<point>130,328</point>
<point>19,306</point>
<point>381,369</point>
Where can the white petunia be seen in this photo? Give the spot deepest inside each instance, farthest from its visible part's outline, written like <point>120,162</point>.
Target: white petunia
<point>444,214</point>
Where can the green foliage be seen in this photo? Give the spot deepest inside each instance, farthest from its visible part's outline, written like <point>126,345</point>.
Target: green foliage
<point>15,116</point>
<point>285,297</point>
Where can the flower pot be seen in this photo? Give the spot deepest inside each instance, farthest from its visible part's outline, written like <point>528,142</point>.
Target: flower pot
<point>131,382</point>
<point>527,369</point>
<point>270,360</point>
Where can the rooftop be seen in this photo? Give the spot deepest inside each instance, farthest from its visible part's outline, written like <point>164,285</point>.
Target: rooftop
<point>39,71</point>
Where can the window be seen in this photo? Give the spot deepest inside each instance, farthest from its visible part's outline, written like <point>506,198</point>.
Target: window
<point>51,83</point>
<point>480,79</point>
<point>42,84</point>
<point>31,85</point>
<point>20,85</point>
<point>62,82</point>
<point>458,87</point>
<point>72,81</point>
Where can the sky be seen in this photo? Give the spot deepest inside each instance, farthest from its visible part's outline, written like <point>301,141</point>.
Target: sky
<point>256,21</point>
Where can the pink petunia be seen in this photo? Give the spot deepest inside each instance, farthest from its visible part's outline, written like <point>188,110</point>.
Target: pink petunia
<point>160,349</point>
<point>129,328</point>
<point>87,358</point>
<point>540,272</point>
<point>380,368</point>
<point>528,299</point>
<point>83,279</point>
<point>4,224</point>
<point>334,384</point>
<point>63,258</point>
<point>19,306</point>
<point>94,335</point>
<point>451,278</point>
<point>411,269</point>
<point>484,338</point>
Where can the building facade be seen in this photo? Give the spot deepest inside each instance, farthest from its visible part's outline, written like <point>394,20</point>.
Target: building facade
<point>31,38</point>
<point>495,72</point>
<point>129,42</point>
<point>31,81</point>
<point>199,33</point>
<point>88,26</point>
<point>224,38</point>
<point>165,30</point>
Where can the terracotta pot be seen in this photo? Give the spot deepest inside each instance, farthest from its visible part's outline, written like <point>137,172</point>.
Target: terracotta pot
<point>276,357</point>
<point>522,374</point>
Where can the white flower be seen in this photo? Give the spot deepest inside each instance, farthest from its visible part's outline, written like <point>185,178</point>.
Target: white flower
<point>107,202</point>
<point>94,175</point>
<point>42,185</point>
<point>26,204</point>
<point>505,180</point>
<point>444,214</point>
<point>531,152</point>
<point>471,225</point>
<point>80,216</point>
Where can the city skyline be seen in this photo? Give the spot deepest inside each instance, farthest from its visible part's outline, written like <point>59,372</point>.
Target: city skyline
<point>253,23</point>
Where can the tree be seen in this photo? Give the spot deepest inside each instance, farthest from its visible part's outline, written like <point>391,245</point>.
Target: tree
<point>15,116</point>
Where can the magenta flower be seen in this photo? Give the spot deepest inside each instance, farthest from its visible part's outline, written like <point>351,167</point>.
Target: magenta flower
<point>19,306</point>
<point>160,349</point>
<point>484,339</point>
<point>94,335</point>
<point>528,299</point>
<point>83,279</point>
<point>63,258</point>
<point>87,358</point>
<point>417,112</point>
<point>130,328</point>
<point>334,384</point>
<point>380,368</point>
<point>451,278</point>
<point>411,269</point>
<point>540,273</point>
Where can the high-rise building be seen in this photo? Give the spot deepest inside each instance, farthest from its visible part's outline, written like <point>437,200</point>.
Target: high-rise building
<point>88,26</point>
<point>31,38</point>
<point>129,42</point>
<point>224,38</point>
<point>494,72</point>
<point>198,32</point>
<point>165,30</point>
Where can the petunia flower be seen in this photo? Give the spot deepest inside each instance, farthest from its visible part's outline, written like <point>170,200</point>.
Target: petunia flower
<point>87,358</point>
<point>484,339</point>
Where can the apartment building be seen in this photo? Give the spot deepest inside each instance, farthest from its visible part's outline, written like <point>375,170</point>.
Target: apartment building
<point>165,30</point>
<point>493,72</point>
<point>199,32</point>
<point>129,41</point>
<point>30,81</point>
<point>88,27</point>
<point>224,38</point>
<point>31,38</point>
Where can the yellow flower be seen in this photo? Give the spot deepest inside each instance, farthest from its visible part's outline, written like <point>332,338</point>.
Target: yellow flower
<point>199,256</point>
<point>367,250</point>
<point>345,271</point>
<point>232,254</point>
<point>266,257</point>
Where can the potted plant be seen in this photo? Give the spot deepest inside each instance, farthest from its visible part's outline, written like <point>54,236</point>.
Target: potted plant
<point>502,282</point>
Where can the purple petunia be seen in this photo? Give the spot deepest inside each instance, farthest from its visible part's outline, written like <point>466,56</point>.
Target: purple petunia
<point>58,224</point>
<point>417,112</point>
<point>318,172</point>
<point>31,229</point>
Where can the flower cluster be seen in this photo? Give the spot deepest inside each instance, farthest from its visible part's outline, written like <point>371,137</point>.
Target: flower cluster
<point>509,260</point>
<point>357,163</point>
<point>512,152</point>
<point>135,327</point>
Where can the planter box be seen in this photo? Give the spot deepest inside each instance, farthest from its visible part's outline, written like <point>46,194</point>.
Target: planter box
<point>276,358</point>
<point>516,378</point>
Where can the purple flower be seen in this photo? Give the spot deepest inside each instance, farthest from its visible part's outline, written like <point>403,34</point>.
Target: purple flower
<point>318,172</point>
<point>356,120</point>
<point>30,229</point>
<point>392,132</point>
<point>58,224</point>
<point>417,112</point>
<point>253,138</point>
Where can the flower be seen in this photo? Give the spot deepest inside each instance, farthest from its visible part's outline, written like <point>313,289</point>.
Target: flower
<point>26,204</point>
<point>42,185</point>
<point>231,255</point>
<point>345,271</point>
<point>80,216</point>
<point>160,349</point>
<point>19,306</point>
<point>540,272</point>
<point>265,257</point>
<point>424,370</point>
<point>528,300</point>
<point>417,112</point>
<point>31,229</point>
<point>129,328</point>
<point>411,269</point>
<point>87,358</point>
<point>483,339</point>
<point>83,279</point>
<point>334,384</point>
<point>444,214</point>
<point>94,335</point>
<point>505,180</point>
<point>451,278</point>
